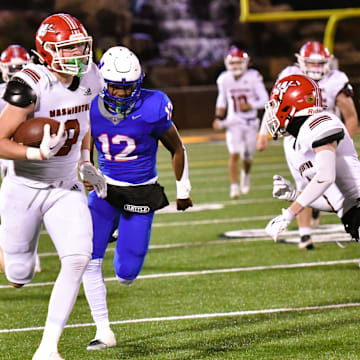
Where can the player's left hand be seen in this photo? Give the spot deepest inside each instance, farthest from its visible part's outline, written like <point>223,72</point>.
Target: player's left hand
<point>279,224</point>
<point>283,189</point>
<point>183,204</point>
<point>94,177</point>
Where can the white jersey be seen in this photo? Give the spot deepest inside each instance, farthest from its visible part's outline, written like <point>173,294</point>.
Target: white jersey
<point>316,128</point>
<point>331,84</point>
<point>4,164</point>
<point>296,160</point>
<point>249,88</point>
<point>2,101</point>
<point>55,100</point>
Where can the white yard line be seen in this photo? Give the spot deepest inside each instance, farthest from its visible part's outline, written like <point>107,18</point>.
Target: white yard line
<point>215,271</point>
<point>199,316</point>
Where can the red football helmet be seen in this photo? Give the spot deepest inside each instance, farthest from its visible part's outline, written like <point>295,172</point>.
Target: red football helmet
<point>12,60</point>
<point>60,34</point>
<point>236,61</point>
<point>314,59</point>
<point>291,96</point>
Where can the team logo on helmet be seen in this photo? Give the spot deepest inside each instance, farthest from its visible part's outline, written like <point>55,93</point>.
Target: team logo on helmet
<point>45,28</point>
<point>282,87</point>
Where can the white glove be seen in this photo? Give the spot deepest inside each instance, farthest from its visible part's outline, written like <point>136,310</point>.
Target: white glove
<point>51,144</point>
<point>279,224</point>
<point>283,189</point>
<point>95,177</point>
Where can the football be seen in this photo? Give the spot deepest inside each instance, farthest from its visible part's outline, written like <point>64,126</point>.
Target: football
<point>31,131</point>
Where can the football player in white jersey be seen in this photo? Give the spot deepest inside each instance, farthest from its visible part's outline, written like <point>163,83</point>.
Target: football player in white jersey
<point>322,140</point>
<point>241,93</point>
<point>314,61</point>
<point>12,60</point>
<point>42,185</point>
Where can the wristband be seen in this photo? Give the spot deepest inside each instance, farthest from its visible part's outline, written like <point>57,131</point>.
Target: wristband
<point>85,155</point>
<point>183,188</point>
<point>33,154</point>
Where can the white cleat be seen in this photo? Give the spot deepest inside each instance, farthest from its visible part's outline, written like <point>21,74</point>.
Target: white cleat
<point>47,356</point>
<point>234,191</point>
<point>37,264</point>
<point>102,341</point>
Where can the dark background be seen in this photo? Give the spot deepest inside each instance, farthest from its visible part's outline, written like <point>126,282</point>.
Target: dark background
<point>182,43</point>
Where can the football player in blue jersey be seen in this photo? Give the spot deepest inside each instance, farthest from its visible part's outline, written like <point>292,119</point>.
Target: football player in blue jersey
<point>127,122</point>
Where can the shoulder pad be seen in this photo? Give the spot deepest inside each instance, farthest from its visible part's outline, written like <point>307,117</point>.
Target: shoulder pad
<point>348,90</point>
<point>19,93</point>
<point>336,135</point>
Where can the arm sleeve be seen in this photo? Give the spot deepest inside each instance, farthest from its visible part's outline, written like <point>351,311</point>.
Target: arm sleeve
<point>325,164</point>
<point>221,101</point>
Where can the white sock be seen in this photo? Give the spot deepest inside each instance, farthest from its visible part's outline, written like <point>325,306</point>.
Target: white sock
<point>50,338</point>
<point>95,292</point>
<point>244,176</point>
<point>62,299</point>
<point>306,230</point>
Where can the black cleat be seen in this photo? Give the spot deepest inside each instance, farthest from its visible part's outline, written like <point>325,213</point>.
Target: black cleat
<point>306,242</point>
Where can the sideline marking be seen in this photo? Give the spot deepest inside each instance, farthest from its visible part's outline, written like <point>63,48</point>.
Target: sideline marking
<point>198,316</point>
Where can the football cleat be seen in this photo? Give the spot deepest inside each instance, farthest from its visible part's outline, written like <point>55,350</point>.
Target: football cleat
<point>234,191</point>
<point>306,242</point>
<point>103,341</point>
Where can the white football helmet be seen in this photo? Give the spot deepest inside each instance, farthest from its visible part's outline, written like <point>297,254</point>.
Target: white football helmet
<point>120,67</point>
<point>314,60</point>
<point>236,61</point>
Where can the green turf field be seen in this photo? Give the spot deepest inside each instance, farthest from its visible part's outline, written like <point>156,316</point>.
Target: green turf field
<point>202,296</point>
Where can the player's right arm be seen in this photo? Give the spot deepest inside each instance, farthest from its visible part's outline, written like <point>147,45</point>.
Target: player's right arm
<point>173,142</point>
<point>348,111</point>
<point>221,105</point>
<point>10,119</point>
<point>21,100</point>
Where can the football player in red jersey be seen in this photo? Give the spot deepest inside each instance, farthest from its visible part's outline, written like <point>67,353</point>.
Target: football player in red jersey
<point>314,60</point>
<point>241,93</point>
<point>324,145</point>
<point>42,185</point>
